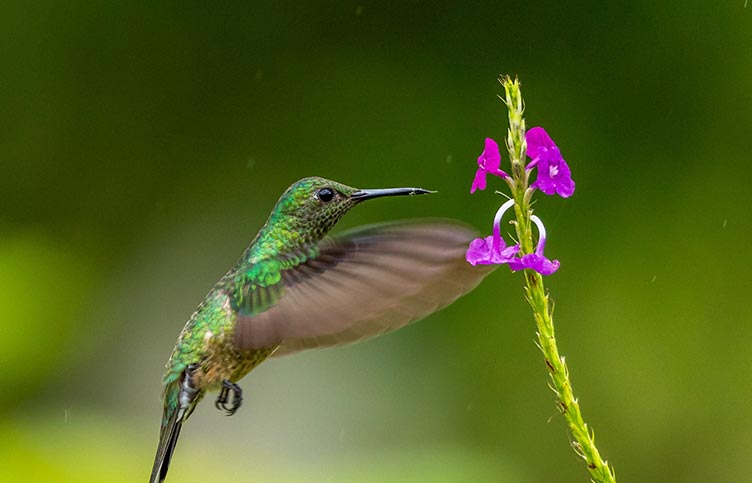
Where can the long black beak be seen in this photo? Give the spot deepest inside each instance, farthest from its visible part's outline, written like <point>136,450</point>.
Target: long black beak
<point>361,195</point>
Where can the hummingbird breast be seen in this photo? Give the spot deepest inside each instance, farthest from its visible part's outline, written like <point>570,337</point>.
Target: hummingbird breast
<point>223,362</point>
<point>207,340</point>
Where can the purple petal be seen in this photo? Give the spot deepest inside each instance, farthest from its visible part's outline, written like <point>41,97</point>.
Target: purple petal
<point>479,182</point>
<point>565,183</point>
<point>554,175</point>
<point>540,264</point>
<point>516,265</point>
<point>536,262</point>
<point>506,255</point>
<point>477,252</point>
<point>544,182</point>
<point>537,138</point>
<point>490,158</point>
<point>489,161</point>
<point>483,252</point>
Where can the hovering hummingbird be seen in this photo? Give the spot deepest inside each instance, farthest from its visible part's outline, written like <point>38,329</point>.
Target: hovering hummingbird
<point>296,288</point>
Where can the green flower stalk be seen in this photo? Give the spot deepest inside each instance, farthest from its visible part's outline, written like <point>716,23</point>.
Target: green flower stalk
<point>553,177</point>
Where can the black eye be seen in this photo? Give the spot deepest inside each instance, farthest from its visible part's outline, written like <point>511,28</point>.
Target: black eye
<point>325,194</point>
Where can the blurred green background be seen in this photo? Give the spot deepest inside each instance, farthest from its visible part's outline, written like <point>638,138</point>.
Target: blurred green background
<point>142,144</point>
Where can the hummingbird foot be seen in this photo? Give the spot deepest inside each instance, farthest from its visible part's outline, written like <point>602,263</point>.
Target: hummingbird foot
<point>224,403</point>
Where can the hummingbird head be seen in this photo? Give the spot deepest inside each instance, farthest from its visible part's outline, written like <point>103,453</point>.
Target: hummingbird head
<point>314,205</point>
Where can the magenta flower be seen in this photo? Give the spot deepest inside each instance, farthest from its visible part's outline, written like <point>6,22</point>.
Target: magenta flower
<point>536,261</point>
<point>492,250</point>
<point>488,163</point>
<point>554,176</point>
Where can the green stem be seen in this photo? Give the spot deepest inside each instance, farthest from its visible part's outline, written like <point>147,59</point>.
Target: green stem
<point>535,292</point>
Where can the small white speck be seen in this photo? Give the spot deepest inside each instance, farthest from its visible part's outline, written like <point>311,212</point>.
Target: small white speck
<point>724,224</point>
<point>653,279</point>
<point>208,335</point>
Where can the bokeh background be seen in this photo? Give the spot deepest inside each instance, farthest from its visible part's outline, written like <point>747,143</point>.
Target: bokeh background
<point>142,144</point>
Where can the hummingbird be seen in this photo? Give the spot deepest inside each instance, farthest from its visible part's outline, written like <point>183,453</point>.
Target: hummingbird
<point>297,288</point>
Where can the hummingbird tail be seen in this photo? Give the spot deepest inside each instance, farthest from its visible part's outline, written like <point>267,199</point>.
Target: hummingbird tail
<point>181,397</point>
<point>168,438</point>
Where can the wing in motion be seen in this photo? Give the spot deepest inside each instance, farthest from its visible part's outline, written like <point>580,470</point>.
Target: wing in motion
<point>365,282</point>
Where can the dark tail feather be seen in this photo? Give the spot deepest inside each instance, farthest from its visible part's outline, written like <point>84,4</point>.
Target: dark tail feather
<point>168,438</point>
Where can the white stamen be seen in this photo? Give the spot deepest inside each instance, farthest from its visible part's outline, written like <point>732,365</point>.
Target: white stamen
<point>553,171</point>
<point>541,228</point>
<point>500,213</point>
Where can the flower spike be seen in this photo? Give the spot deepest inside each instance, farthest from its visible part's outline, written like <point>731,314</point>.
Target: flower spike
<point>554,176</point>
<point>488,163</point>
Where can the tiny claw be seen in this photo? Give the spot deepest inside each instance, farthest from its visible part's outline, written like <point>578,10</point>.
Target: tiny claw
<point>219,403</point>
<point>223,400</point>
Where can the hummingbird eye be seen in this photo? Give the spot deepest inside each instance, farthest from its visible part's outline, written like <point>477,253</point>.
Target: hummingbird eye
<point>325,194</point>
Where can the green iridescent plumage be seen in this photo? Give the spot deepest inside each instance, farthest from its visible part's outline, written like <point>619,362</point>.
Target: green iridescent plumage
<point>295,288</point>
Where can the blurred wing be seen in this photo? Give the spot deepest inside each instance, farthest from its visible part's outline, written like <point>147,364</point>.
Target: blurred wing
<point>363,283</point>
